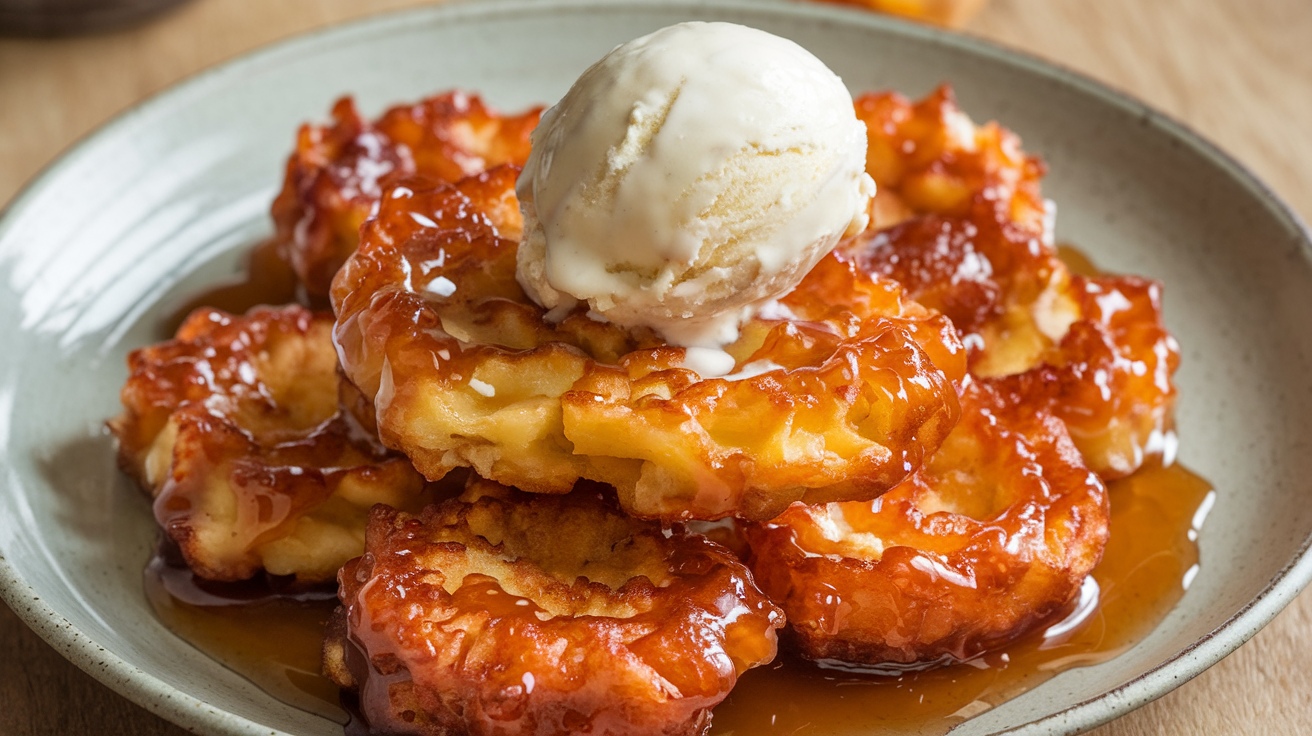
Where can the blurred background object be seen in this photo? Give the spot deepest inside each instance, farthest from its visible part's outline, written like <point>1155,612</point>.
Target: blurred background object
<point>63,17</point>
<point>951,13</point>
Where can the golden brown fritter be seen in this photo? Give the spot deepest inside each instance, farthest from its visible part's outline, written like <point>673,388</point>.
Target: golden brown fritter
<point>990,541</point>
<point>503,612</point>
<point>337,172</point>
<point>962,227</point>
<point>1109,378</point>
<point>928,157</point>
<point>839,394</point>
<point>234,429</point>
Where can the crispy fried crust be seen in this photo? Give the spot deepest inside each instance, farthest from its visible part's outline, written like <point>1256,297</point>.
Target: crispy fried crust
<point>962,227</point>
<point>930,158</point>
<point>991,540</point>
<point>1109,378</point>
<point>503,612</point>
<point>855,385</point>
<point>337,172</point>
<point>233,427</point>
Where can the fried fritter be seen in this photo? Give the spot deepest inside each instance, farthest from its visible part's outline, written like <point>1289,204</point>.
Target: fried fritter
<point>964,229</point>
<point>234,429</point>
<point>840,391</point>
<point>1109,378</point>
<point>503,612</point>
<point>930,158</point>
<point>337,172</point>
<point>992,539</point>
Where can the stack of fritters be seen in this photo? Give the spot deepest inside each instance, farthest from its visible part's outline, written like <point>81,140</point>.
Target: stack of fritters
<point>466,371</point>
<point>963,228</point>
<point>913,439</point>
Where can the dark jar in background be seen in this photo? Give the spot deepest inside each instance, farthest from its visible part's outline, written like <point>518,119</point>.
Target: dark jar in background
<point>63,17</point>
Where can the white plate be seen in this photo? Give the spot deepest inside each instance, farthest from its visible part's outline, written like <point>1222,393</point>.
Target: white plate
<point>166,197</point>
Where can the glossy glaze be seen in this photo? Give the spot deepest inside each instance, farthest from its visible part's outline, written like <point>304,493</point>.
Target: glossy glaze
<point>539,401</point>
<point>991,540</point>
<point>1151,556</point>
<point>235,428</point>
<point>506,612</point>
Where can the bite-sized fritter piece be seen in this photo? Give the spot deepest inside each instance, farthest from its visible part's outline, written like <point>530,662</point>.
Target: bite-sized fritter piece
<point>839,392</point>
<point>991,540</point>
<point>510,613</point>
<point>968,234</point>
<point>234,429</point>
<point>337,172</point>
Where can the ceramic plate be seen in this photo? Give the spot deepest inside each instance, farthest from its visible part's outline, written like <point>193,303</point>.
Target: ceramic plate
<point>166,198</point>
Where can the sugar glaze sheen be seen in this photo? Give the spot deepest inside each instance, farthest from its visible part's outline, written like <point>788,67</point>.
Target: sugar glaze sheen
<point>275,640</point>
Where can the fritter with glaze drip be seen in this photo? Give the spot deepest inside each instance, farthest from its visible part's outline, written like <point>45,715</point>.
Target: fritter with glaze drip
<point>990,541</point>
<point>235,430</point>
<point>505,612</point>
<point>837,393</point>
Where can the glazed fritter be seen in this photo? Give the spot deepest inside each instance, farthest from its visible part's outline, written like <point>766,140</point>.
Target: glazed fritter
<point>1109,377</point>
<point>838,393</point>
<point>504,612</point>
<point>962,226</point>
<point>337,173</point>
<point>990,541</point>
<point>234,429</point>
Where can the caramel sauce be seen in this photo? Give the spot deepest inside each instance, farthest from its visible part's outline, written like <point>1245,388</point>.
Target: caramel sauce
<point>1076,260</point>
<point>273,638</point>
<point>1151,556</point>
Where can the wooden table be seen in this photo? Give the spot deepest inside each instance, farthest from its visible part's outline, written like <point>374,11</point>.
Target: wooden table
<point>1238,71</point>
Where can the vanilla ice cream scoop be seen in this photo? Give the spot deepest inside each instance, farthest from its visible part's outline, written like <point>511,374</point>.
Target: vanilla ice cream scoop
<point>689,178</point>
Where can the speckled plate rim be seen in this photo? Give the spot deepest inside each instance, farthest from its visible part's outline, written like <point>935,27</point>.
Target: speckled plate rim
<point>188,711</point>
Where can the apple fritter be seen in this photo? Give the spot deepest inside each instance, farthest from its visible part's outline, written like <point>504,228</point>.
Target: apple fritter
<point>505,612</point>
<point>963,227</point>
<point>836,394</point>
<point>1109,378</point>
<point>337,172</point>
<point>991,540</point>
<point>234,428</point>
<point>928,157</point>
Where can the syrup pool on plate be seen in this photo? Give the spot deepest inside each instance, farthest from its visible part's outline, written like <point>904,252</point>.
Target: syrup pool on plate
<point>1150,558</point>
<point>274,640</point>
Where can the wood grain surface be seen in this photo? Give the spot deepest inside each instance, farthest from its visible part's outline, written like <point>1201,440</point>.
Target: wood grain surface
<point>1237,71</point>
